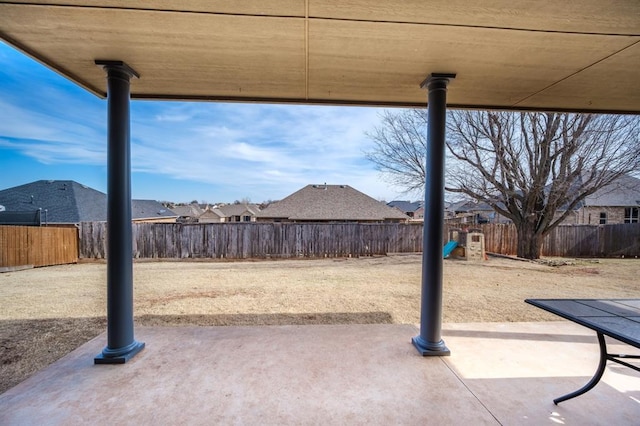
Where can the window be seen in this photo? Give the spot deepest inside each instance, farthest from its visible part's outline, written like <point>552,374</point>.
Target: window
<point>236,218</point>
<point>631,215</point>
<point>603,218</point>
<point>246,218</point>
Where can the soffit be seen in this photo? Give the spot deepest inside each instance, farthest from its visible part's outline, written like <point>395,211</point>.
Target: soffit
<point>581,55</point>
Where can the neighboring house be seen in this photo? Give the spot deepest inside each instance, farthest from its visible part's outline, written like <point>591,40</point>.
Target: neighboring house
<point>189,213</point>
<point>211,215</point>
<point>239,212</point>
<point>68,202</point>
<point>618,202</point>
<point>471,212</point>
<point>193,213</point>
<point>413,209</point>
<point>418,215</point>
<point>330,203</point>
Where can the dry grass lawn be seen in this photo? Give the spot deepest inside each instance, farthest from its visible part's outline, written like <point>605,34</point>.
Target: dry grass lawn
<point>48,312</point>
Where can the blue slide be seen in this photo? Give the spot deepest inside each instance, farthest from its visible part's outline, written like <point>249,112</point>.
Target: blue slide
<point>448,248</point>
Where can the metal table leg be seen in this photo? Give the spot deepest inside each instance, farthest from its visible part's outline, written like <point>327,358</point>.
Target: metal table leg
<point>596,377</point>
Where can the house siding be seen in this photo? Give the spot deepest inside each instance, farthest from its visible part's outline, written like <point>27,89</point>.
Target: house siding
<point>574,218</point>
<point>591,215</point>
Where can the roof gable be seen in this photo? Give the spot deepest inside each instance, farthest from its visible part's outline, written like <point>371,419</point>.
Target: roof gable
<point>405,206</point>
<point>330,202</point>
<point>239,210</point>
<point>190,210</point>
<point>212,213</point>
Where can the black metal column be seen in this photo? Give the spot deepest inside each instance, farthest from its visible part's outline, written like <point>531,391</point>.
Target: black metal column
<point>121,346</point>
<point>429,341</point>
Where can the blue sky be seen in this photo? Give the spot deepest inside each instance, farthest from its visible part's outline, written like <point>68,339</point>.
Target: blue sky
<point>214,152</point>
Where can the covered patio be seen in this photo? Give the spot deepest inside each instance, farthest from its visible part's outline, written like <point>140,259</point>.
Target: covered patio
<point>564,56</point>
<point>334,374</point>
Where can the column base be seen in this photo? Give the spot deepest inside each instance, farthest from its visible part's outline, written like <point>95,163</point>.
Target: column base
<point>119,356</point>
<point>430,349</point>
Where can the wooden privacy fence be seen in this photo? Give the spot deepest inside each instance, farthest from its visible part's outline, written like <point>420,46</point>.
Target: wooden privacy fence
<point>570,240</point>
<point>257,240</point>
<point>37,246</point>
<point>284,240</point>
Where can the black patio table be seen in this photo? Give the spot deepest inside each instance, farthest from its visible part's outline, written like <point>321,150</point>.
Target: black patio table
<point>616,318</point>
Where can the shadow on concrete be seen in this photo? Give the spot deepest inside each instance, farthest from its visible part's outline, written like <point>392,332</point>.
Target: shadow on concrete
<point>328,374</point>
<point>506,335</point>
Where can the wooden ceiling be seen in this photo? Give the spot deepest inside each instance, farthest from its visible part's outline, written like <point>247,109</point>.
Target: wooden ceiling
<point>580,55</point>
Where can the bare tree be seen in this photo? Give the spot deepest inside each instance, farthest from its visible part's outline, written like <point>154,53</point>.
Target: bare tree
<point>245,200</point>
<point>535,168</point>
<point>400,144</point>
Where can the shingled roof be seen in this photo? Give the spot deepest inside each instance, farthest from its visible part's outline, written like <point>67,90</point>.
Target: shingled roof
<point>330,203</point>
<point>405,206</point>
<point>624,191</point>
<point>238,209</point>
<point>149,209</point>
<point>67,201</point>
<point>190,210</point>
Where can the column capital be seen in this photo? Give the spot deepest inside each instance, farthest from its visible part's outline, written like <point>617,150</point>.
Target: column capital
<point>119,66</point>
<point>435,77</point>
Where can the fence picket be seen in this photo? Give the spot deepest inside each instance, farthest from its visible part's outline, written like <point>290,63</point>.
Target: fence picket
<point>37,246</point>
<point>284,240</point>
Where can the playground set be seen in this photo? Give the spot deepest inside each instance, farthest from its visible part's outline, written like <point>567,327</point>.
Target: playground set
<point>467,244</point>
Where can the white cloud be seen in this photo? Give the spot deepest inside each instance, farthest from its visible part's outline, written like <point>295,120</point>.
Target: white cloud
<point>50,140</point>
<point>171,112</point>
<point>260,151</point>
<point>278,142</point>
<point>244,152</point>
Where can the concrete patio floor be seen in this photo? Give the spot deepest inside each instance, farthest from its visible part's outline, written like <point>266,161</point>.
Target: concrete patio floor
<point>498,373</point>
